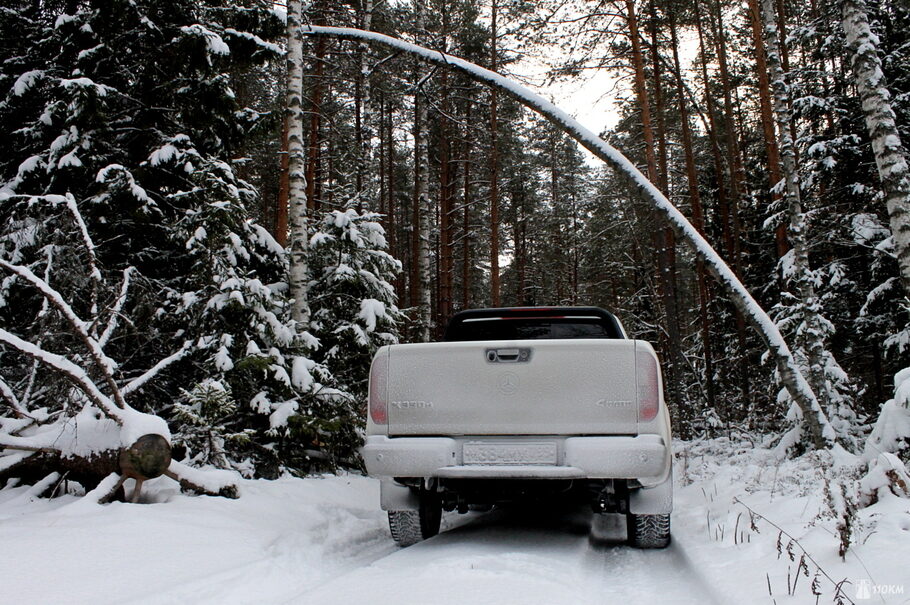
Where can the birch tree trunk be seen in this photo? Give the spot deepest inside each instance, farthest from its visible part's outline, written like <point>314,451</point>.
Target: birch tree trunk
<point>890,154</point>
<point>799,275</point>
<point>297,199</point>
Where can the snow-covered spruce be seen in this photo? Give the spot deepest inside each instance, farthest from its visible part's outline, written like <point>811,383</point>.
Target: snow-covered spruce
<point>820,431</point>
<point>262,400</point>
<point>353,309</point>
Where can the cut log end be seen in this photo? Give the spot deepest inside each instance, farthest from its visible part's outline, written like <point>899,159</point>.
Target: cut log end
<point>147,458</point>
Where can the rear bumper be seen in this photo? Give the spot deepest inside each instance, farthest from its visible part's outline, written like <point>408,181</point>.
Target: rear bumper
<point>644,457</point>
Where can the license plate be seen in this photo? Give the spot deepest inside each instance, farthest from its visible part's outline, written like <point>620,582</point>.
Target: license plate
<point>536,453</point>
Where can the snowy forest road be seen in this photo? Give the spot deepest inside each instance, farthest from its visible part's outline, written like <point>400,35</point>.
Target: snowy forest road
<point>509,557</point>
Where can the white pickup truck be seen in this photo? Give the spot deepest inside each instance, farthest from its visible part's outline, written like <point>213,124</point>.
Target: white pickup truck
<point>517,405</point>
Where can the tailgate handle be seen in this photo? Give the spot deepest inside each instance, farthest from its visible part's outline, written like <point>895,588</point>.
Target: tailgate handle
<point>508,355</point>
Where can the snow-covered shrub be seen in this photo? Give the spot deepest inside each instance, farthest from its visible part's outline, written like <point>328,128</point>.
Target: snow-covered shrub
<point>206,414</point>
<point>887,476</point>
<point>811,332</point>
<point>891,433</point>
<point>353,303</point>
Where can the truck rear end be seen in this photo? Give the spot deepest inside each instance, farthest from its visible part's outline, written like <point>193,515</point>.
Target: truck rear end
<point>515,405</point>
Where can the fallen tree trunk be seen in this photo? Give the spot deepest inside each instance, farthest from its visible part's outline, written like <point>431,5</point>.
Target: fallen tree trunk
<point>147,458</point>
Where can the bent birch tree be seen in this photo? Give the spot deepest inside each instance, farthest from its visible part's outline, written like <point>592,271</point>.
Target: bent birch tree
<point>819,430</point>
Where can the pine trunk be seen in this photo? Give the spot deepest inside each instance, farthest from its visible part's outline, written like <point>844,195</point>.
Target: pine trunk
<point>364,176</point>
<point>667,242</point>
<point>316,92</point>
<point>698,218</point>
<point>466,201</point>
<point>392,206</point>
<point>658,236</point>
<point>767,118</point>
<point>727,201</point>
<point>422,209</point>
<point>494,171</point>
<point>446,194</point>
<point>281,211</point>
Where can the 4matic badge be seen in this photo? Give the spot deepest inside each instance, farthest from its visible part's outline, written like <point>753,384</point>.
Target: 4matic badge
<point>412,405</point>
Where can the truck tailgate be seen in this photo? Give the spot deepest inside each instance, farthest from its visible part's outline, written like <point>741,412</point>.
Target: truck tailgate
<point>564,387</point>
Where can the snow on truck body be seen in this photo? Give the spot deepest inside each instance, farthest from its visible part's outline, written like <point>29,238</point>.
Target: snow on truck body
<point>517,403</point>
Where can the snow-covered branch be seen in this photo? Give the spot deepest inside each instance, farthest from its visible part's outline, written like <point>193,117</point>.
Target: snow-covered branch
<point>796,384</point>
<point>209,483</point>
<point>76,375</point>
<point>24,444</point>
<point>105,364</point>
<point>94,272</point>
<point>139,382</point>
<point>13,401</point>
<point>114,319</point>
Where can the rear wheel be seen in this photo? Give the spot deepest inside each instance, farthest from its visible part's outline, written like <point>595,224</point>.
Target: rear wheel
<point>411,526</point>
<point>649,531</point>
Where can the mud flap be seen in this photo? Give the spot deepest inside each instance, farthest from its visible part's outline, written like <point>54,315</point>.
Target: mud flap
<point>393,496</point>
<point>657,500</point>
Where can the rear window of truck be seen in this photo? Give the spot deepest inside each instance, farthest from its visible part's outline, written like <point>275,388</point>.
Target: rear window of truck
<point>530,328</point>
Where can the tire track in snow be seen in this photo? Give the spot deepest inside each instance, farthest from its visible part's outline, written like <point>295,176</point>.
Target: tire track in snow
<point>515,557</point>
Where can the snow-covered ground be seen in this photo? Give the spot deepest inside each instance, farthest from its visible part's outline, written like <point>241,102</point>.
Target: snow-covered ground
<point>324,540</point>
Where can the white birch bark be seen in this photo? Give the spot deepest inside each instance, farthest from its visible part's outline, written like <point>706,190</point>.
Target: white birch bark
<point>810,339</point>
<point>422,167</point>
<point>297,202</point>
<point>789,372</point>
<point>890,154</point>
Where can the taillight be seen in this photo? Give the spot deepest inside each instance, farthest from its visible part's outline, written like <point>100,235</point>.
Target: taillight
<point>379,380</point>
<point>648,377</point>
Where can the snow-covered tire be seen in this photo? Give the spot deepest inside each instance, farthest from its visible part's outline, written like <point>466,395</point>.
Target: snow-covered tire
<point>649,531</point>
<point>411,526</point>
